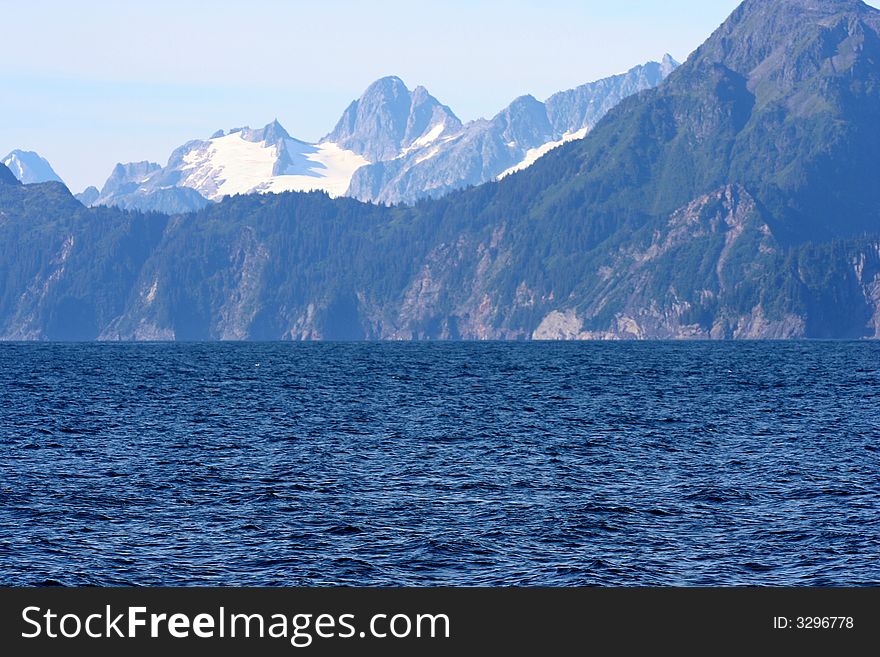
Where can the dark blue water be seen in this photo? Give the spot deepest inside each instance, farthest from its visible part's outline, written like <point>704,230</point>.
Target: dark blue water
<point>427,464</point>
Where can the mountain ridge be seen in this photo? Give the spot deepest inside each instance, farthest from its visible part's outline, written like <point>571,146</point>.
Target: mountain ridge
<point>720,204</point>
<point>514,138</point>
<point>388,118</point>
<point>384,148</point>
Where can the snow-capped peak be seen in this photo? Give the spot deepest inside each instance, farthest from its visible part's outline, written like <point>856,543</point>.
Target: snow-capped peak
<point>246,160</point>
<point>388,118</point>
<point>29,167</point>
<point>391,145</point>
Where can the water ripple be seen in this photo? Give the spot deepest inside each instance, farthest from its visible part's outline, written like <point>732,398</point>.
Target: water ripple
<point>440,464</point>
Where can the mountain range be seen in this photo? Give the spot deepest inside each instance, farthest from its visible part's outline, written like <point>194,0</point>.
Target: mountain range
<point>734,200</point>
<point>392,145</point>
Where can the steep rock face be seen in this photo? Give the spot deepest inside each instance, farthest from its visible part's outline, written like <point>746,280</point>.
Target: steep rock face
<point>282,267</point>
<point>126,178</point>
<point>512,140</point>
<point>435,306</point>
<point>71,271</point>
<point>523,122</point>
<point>470,157</point>
<point>133,186</point>
<point>788,40</point>
<point>752,106</point>
<point>582,107</point>
<point>683,281</point>
<point>29,167</point>
<point>388,118</point>
<point>391,145</point>
<point>867,270</point>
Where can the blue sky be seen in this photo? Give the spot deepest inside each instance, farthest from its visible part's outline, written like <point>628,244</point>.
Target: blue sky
<point>89,84</point>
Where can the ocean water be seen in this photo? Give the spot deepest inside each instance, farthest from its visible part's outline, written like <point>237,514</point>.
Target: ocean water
<point>551,464</point>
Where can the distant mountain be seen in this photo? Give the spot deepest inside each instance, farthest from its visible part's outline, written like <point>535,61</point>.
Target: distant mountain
<point>389,120</point>
<point>242,161</point>
<point>126,178</point>
<point>29,167</point>
<point>170,200</point>
<point>391,145</point>
<point>88,196</point>
<point>575,109</point>
<point>513,140</point>
<point>734,200</point>
<point>137,186</point>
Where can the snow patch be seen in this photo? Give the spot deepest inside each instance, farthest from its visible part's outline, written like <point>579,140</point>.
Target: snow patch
<point>229,165</point>
<point>232,165</point>
<point>425,140</point>
<point>327,167</point>
<point>29,167</point>
<point>14,165</point>
<point>427,156</point>
<point>534,154</point>
<point>430,137</point>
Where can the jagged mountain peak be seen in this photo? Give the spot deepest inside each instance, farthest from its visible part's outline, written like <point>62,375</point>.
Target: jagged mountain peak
<point>30,167</point>
<point>512,140</point>
<point>523,106</point>
<point>523,102</point>
<point>388,95</point>
<point>524,121</point>
<point>127,177</point>
<point>388,84</point>
<point>388,118</point>
<point>271,133</point>
<point>391,145</point>
<point>778,92</point>
<point>758,29</point>
<point>668,64</point>
<point>420,94</point>
<point>136,168</point>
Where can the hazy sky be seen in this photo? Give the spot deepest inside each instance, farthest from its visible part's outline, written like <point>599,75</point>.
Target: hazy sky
<point>91,83</point>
